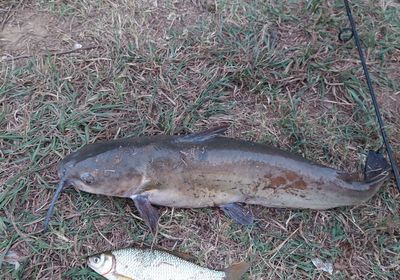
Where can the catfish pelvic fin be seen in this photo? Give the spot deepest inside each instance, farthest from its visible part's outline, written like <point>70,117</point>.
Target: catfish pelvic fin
<point>147,212</point>
<point>238,213</point>
<point>202,135</point>
<point>236,271</point>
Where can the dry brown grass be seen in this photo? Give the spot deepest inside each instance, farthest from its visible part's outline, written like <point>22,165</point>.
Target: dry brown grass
<point>274,71</point>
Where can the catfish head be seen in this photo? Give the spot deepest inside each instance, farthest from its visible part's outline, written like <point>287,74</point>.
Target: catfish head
<point>106,174</point>
<point>112,168</point>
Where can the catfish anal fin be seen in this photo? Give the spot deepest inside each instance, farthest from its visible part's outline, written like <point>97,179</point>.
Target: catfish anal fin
<point>202,135</point>
<point>147,212</point>
<point>238,213</point>
<point>236,271</point>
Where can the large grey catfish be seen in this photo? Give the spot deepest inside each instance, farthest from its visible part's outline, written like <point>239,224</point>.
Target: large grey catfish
<point>207,170</point>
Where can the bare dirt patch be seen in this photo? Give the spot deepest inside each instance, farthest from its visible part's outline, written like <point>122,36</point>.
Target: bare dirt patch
<point>32,32</point>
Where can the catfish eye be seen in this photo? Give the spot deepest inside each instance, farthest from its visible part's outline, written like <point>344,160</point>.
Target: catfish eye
<point>87,178</point>
<point>61,172</point>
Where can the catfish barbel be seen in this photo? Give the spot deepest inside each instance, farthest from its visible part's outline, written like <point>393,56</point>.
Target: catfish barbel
<point>207,170</point>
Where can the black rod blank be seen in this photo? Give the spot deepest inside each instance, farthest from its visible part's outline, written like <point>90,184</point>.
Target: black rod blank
<point>373,96</point>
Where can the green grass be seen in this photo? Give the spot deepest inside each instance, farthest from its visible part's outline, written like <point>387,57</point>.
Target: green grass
<point>273,70</point>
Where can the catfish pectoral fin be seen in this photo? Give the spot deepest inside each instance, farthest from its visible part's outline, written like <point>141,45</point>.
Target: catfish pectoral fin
<point>238,213</point>
<point>147,212</point>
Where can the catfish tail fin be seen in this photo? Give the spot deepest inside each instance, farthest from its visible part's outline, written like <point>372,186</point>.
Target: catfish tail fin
<point>376,167</point>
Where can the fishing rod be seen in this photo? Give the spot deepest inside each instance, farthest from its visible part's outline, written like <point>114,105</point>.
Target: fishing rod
<point>354,34</point>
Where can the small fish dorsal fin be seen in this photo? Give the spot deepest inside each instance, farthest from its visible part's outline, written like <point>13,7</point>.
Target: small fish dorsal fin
<point>236,271</point>
<point>185,256</point>
<point>202,135</point>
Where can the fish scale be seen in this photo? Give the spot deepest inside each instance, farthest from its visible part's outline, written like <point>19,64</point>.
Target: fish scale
<point>151,265</point>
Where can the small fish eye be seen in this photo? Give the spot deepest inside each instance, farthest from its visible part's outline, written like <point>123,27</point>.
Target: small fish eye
<point>87,178</point>
<point>96,260</point>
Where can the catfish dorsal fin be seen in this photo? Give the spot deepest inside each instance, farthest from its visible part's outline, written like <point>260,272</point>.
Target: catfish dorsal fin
<point>202,135</point>
<point>236,271</point>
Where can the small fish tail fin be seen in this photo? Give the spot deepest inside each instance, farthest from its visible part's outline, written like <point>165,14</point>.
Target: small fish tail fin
<point>376,167</point>
<point>236,271</point>
<point>202,135</point>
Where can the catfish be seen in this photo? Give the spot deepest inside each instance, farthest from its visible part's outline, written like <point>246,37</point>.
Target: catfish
<point>206,169</point>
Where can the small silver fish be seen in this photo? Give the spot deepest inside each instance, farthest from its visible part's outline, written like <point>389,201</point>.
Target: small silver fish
<point>147,264</point>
